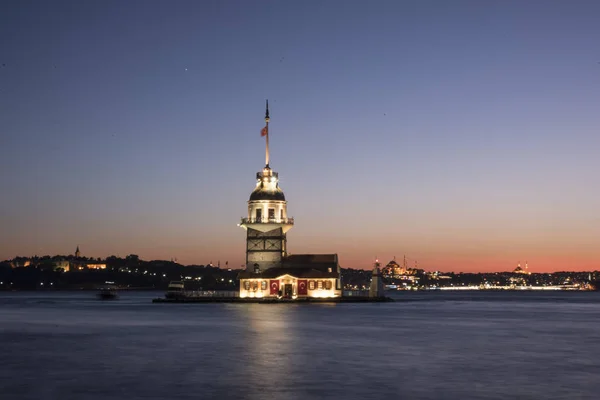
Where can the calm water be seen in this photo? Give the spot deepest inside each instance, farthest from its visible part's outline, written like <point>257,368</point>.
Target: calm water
<point>432,346</point>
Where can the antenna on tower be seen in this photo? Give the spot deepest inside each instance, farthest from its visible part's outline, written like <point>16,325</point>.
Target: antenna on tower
<point>266,133</point>
<point>267,112</point>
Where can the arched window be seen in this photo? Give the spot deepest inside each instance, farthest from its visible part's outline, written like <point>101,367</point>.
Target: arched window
<point>247,285</point>
<point>311,285</point>
<point>328,285</point>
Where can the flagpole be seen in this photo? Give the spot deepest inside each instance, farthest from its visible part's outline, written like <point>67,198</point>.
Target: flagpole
<point>267,121</point>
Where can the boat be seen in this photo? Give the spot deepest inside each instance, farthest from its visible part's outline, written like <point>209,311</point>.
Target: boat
<point>175,290</point>
<point>108,292</point>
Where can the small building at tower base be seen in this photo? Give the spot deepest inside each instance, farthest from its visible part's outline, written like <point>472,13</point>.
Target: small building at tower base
<point>300,276</point>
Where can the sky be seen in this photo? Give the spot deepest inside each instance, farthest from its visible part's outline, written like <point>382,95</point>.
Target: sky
<point>462,134</point>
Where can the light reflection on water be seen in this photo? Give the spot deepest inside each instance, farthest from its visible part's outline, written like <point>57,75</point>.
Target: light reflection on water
<point>432,346</point>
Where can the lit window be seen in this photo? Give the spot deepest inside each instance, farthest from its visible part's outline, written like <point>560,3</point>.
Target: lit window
<point>263,285</point>
<point>320,285</point>
<point>254,286</point>
<point>247,285</point>
<point>328,285</point>
<point>311,285</point>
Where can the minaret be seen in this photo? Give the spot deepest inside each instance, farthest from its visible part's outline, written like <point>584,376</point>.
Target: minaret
<point>77,252</point>
<point>267,222</point>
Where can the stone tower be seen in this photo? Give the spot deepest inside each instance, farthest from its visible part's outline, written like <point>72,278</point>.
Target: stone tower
<point>267,222</point>
<point>376,288</point>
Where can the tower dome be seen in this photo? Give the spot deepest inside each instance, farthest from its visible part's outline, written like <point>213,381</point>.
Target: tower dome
<point>267,186</point>
<point>260,194</point>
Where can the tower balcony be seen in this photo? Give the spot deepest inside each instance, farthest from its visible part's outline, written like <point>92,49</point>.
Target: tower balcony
<point>267,224</point>
<point>285,221</point>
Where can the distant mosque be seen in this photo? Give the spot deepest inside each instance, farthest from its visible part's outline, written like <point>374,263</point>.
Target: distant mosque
<point>270,271</point>
<point>520,270</point>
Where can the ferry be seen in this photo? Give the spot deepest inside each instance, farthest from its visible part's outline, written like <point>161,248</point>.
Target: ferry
<point>108,292</point>
<point>175,290</point>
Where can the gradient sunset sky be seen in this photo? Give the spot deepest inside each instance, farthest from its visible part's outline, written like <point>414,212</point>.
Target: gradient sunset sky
<point>462,134</point>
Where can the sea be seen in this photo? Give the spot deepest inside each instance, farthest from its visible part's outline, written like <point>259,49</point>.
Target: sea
<point>425,345</point>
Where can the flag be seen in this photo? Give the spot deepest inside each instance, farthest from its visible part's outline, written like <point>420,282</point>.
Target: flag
<point>264,131</point>
<point>274,285</point>
<point>302,287</point>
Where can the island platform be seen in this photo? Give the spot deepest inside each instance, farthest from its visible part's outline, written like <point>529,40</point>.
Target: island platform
<point>349,299</point>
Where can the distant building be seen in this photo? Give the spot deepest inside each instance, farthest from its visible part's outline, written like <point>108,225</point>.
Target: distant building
<point>20,262</point>
<point>520,270</point>
<point>270,271</point>
<point>63,265</point>
<point>95,266</point>
<point>82,264</point>
<point>390,269</point>
<point>395,270</point>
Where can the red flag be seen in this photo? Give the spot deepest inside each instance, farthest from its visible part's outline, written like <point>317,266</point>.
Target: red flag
<point>274,285</point>
<point>264,131</point>
<point>302,287</point>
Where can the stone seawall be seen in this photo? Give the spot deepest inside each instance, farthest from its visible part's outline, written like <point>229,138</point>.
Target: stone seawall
<point>352,299</point>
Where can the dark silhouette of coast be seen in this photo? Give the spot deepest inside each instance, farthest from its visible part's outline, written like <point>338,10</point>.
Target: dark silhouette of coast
<point>131,272</point>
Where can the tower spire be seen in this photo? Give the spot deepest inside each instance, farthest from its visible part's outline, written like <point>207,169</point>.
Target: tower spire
<point>267,134</point>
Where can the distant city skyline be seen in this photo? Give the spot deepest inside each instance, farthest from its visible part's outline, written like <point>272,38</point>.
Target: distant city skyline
<point>461,134</point>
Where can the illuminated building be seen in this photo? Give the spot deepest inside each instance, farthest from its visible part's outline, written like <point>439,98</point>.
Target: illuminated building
<point>63,265</point>
<point>96,266</point>
<point>81,264</point>
<point>270,271</point>
<point>389,270</point>
<point>520,270</point>
<point>20,262</point>
<point>393,269</point>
